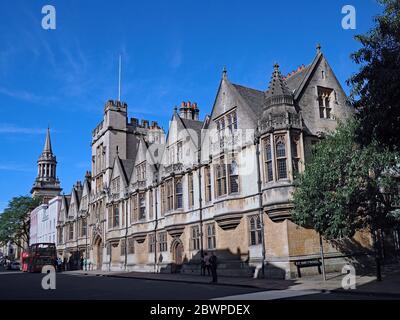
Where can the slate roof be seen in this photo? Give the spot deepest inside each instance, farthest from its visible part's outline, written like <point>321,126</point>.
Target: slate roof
<point>195,125</point>
<point>277,85</point>
<point>294,81</point>
<point>254,98</point>
<point>127,167</point>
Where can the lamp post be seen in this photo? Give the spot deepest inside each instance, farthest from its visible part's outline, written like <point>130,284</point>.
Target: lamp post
<point>86,250</point>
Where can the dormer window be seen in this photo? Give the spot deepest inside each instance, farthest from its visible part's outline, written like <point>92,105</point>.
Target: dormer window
<point>325,99</point>
<point>115,186</point>
<point>232,122</point>
<point>221,131</point>
<point>227,121</point>
<point>179,151</point>
<point>141,171</point>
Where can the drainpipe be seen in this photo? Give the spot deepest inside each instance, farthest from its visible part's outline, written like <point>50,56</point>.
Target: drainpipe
<point>155,223</point>
<point>200,203</point>
<point>126,233</point>
<point>77,243</point>
<point>260,207</point>
<point>86,233</point>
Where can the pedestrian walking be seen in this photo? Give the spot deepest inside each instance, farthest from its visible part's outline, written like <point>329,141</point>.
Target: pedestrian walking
<point>213,266</point>
<point>65,264</point>
<point>207,263</point>
<point>59,264</point>
<point>202,265</point>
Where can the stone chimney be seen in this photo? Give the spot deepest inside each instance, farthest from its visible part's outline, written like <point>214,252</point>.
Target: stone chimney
<point>145,124</point>
<point>189,110</point>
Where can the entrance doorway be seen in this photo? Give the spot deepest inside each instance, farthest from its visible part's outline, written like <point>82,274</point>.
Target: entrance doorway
<point>177,255</point>
<point>98,245</point>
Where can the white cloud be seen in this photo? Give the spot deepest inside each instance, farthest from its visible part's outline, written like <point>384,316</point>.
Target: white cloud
<point>12,129</point>
<point>26,96</point>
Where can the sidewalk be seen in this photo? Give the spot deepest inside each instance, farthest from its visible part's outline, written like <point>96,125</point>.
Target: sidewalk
<point>365,284</point>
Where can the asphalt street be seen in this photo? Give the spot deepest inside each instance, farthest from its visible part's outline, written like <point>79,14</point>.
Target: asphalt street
<point>15,285</point>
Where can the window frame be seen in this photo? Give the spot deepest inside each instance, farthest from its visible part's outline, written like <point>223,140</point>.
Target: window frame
<point>211,236</point>
<point>268,160</point>
<point>281,159</point>
<point>232,176</point>
<point>162,241</point>
<point>207,183</point>
<point>190,189</point>
<point>178,195</point>
<point>220,178</point>
<point>141,206</point>
<point>255,230</point>
<point>151,244</point>
<point>195,237</point>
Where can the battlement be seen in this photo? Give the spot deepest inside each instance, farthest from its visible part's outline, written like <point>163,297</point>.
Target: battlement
<point>144,124</point>
<point>115,104</point>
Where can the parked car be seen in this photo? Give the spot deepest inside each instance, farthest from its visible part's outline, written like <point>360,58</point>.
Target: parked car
<point>14,265</point>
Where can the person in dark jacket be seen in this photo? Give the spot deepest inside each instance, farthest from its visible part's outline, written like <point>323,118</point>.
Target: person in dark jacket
<point>213,267</point>
<point>202,265</point>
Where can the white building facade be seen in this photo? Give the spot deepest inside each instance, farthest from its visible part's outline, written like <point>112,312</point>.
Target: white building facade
<point>43,222</point>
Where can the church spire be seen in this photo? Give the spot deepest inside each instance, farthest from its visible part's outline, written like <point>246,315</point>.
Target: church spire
<point>46,184</point>
<point>47,144</point>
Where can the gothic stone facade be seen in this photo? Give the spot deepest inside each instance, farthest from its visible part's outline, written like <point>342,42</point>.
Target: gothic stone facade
<point>155,202</point>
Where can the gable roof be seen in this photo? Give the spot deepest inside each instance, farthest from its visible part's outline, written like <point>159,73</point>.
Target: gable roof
<point>125,168</point>
<point>254,98</point>
<point>195,125</point>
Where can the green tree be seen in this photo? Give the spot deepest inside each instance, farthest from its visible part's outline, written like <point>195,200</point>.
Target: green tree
<point>15,219</point>
<point>347,187</point>
<point>375,88</point>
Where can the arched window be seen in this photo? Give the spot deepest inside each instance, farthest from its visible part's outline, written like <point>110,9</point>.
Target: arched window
<point>281,158</point>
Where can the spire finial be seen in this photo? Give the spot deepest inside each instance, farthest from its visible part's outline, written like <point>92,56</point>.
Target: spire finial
<point>318,48</point>
<point>47,143</point>
<point>119,79</point>
<point>276,66</point>
<point>224,72</point>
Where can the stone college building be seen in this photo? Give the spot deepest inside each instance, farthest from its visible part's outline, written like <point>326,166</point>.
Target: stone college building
<point>156,201</point>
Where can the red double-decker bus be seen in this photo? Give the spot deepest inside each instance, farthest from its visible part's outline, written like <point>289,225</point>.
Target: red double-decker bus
<point>37,256</point>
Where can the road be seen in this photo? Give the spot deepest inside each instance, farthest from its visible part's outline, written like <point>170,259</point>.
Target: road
<point>18,285</point>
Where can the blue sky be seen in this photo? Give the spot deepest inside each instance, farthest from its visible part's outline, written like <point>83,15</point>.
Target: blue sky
<point>171,51</point>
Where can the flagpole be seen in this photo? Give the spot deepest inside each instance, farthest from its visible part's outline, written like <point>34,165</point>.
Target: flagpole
<point>119,79</point>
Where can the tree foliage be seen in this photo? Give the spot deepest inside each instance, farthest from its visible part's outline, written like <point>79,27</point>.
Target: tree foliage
<point>15,220</point>
<point>345,187</point>
<point>375,88</point>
